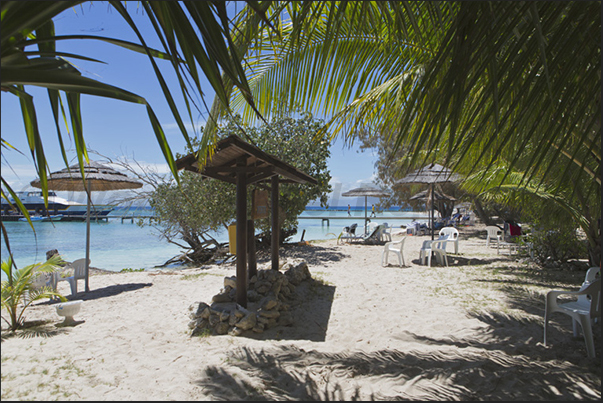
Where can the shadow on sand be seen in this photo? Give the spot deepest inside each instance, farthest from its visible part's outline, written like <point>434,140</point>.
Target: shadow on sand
<point>291,373</point>
<point>104,292</point>
<point>311,310</point>
<point>313,254</point>
<point>489,365</point>
<point>49,328</point>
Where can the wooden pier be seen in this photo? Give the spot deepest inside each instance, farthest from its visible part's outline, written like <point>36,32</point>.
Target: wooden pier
<point>131,218</point>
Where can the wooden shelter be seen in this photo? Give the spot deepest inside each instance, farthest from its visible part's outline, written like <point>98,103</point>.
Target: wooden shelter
<point>240,163</point>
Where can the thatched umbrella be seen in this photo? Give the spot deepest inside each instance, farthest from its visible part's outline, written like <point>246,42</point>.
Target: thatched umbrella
<point>430,174</point>
<point>366,192</point>
<point>98,177</point>
<point>426,195</point>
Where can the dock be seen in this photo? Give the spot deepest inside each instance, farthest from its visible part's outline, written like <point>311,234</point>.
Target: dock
<point>131,218</point>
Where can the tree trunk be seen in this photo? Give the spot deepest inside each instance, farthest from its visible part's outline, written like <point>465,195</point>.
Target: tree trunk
<point>594,244</point>
<point>479,210</point>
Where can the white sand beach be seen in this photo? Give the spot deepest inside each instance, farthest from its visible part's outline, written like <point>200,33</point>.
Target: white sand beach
<point>470,331</point>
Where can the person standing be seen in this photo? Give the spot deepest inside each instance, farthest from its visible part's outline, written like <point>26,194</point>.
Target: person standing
<point>349,215</point>
<point>373,211</point>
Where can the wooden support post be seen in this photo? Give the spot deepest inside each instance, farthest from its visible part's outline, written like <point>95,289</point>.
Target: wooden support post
<point>86,267</point>
<point>276,231</point>
<point>241,240</point>
<point>253,266</point>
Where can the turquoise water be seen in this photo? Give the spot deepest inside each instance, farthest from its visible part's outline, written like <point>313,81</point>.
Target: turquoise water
<point>115,245</point>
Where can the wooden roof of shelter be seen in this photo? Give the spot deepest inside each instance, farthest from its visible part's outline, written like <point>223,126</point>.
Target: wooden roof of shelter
<point>238,162</point>
<point>233,155</point>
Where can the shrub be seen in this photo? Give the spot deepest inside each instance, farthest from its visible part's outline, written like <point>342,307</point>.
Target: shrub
<point>18,292</point>
<point>557,245</point>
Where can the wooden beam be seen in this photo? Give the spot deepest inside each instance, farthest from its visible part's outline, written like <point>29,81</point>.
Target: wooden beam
<point>276,231</point>
<point>224,178</point>
<point>241,240</point>
<point>268,172</point>
<point>252,259</point>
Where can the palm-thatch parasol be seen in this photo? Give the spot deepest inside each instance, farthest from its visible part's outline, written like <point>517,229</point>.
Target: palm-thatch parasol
<point>98,177</point>
<point>426,195</point>
<point>430,174</point>
<point>366,192</point>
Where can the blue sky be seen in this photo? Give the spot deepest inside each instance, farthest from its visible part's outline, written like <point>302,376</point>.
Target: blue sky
<point>119,129</point>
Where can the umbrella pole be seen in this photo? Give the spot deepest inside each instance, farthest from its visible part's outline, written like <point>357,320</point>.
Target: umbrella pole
<point>88,237</point>
<point>365,216</point>
<point>432,197</point>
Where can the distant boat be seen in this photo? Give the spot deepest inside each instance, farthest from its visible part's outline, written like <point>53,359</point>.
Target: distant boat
<point>56,217</point>
<point>34,203</point>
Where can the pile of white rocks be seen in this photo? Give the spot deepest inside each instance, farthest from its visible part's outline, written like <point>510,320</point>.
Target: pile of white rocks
<point>270,291</point>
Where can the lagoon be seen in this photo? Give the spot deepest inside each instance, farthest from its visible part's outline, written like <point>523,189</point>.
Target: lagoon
<point>117,245</point>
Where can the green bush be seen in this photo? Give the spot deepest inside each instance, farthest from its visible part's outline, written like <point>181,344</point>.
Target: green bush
<point>557,245</point>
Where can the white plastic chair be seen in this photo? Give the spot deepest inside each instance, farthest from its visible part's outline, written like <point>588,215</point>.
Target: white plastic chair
<point>79,273</point>
<point>393,247</point>
<point>582,311</point>
<point>438,247</point>
<point>453,237</point>
<point>591,274</point>
<point>386,234</point>
<point>493,233</point>
<point>39,281</point>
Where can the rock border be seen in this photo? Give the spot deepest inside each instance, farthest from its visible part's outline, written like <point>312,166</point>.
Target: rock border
<point>272,290</point>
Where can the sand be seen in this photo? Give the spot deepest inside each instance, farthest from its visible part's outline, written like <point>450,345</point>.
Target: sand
<point>470,331</point>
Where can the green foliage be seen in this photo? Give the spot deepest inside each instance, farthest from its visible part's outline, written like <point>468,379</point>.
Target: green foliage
<point>130,270</point>
<point>199,37</point>
<point>201,205</point>
<point>486,88</point>
<point>18,292</point>
<point>293,141</point>
<point>554,244</point>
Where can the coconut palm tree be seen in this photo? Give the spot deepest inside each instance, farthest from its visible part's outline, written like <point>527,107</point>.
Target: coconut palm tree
<point>462,82</point>
<point>468,84</point>
<point>196,40</point>
<point>470,80</point>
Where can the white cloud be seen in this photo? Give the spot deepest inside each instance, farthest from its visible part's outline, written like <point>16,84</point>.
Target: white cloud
<point>173,128</point>
<point>18,176</point>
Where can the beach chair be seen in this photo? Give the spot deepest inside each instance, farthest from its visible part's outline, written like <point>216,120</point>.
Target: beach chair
<point>584,310</point>
<point>453,237</point>
<point>370,227</point>
<point>514,240</point>
<point>436,247</point>
<point>386,233</point>
<point>493,233</point>
<point>79,273</point>
<point>416,228</point>
<point>396,248</point>
<point>39,281</point>
<point>372,237</point>
<point>348,234</point>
